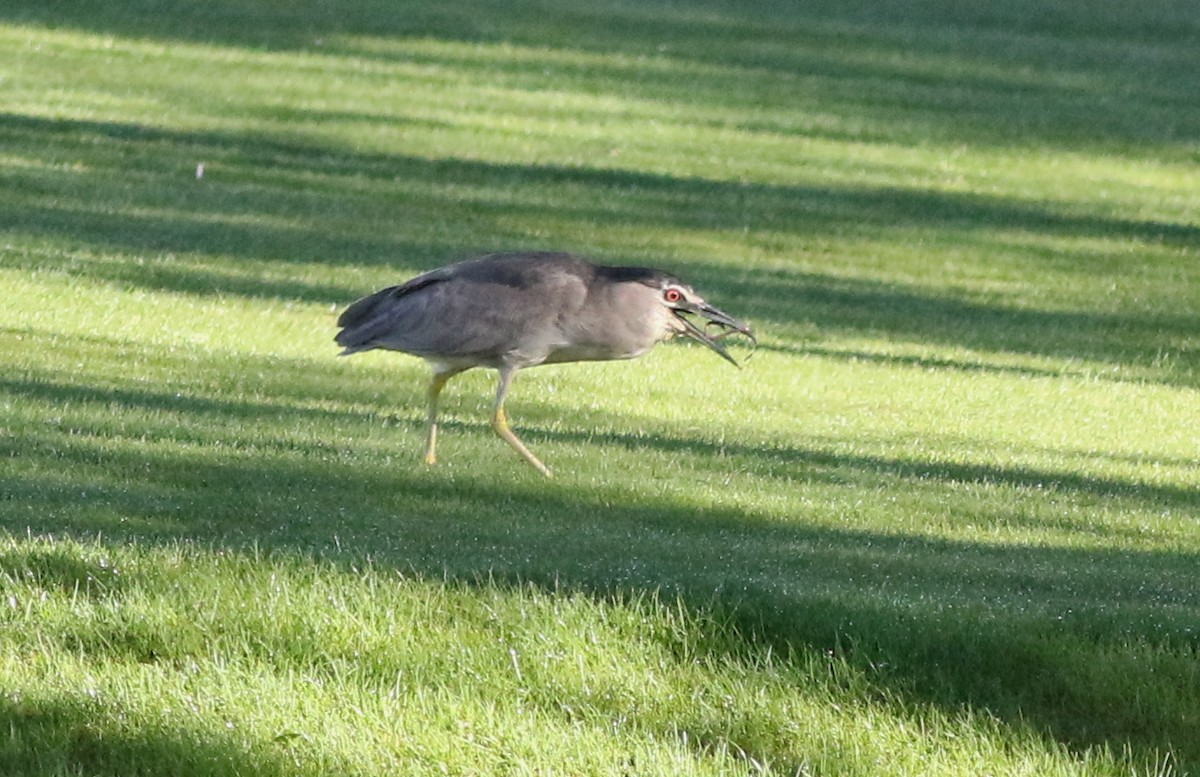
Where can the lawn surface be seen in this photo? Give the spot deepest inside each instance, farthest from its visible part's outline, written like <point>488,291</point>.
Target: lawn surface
<point>943,522</point>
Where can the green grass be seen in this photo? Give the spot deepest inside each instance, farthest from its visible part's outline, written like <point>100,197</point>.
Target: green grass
<point>944,521</point>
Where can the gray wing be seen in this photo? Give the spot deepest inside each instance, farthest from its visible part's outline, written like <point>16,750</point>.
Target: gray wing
<point>375,315</point>
<point>483,312</point>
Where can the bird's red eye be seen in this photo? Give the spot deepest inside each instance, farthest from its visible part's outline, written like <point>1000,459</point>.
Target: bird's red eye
<point>672,295</point>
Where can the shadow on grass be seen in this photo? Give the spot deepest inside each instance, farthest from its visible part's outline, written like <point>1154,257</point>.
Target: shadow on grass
<point>1032,634</point>
<point>173,218</point>
<point>293,386</point>
<point>58,570</point>
<point>1012,624</point>
<point>77,734</point>
<point>686,203</point>
<point>1012,73</point>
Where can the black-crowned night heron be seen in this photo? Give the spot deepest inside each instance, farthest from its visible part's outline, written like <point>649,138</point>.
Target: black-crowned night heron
<point>512,311</point>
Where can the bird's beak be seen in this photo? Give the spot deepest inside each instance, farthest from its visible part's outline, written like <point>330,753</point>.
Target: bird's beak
<point>725,322</point>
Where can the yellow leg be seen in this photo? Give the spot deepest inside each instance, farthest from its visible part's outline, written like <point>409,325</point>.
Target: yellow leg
<point>500,425</point>
<point>440,379</point>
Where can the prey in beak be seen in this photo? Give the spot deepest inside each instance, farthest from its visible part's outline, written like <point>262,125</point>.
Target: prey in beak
<point>685,303</point>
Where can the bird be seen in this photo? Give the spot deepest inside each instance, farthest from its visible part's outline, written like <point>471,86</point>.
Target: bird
<point>511,311</point>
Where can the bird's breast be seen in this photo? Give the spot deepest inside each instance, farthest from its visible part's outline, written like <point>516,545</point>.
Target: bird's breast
<point>584,352</point>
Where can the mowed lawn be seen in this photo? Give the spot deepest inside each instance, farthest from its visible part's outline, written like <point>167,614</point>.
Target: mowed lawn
<point>945,521</point>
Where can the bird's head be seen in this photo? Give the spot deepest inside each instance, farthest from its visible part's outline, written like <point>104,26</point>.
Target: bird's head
<point>683,303</point>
